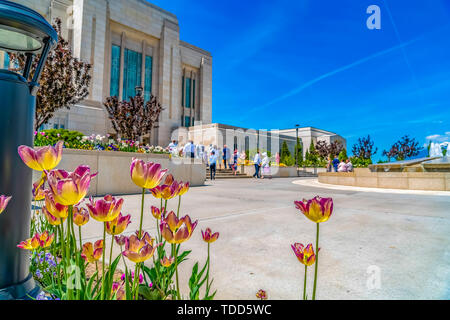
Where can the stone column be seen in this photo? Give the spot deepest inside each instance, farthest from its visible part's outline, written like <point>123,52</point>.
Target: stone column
<point>122,59</point>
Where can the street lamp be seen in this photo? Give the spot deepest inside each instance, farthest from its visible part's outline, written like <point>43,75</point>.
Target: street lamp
<point>296,146</point>
<point>21,31</point>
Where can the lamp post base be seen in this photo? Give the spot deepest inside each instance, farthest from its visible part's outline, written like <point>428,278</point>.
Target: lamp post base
<point>25,290</point>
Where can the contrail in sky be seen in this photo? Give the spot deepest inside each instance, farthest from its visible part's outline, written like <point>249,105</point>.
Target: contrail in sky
<point>331,73</point>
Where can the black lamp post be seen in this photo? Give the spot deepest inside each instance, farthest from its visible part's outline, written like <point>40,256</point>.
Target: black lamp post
<point>22,31</point>
<point>296,146</point>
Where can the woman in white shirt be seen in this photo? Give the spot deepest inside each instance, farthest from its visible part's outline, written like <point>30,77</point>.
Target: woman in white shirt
<point>342,167</point>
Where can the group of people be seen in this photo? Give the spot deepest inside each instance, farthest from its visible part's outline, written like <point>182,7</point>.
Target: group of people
<point>226,160</point>
<point>339,165</point>
<point>261,163</point>
<point>214,157</point>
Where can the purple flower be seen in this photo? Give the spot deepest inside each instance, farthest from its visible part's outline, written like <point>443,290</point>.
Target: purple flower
<point>38,274</point>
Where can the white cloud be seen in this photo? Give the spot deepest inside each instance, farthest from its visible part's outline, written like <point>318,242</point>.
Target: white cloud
<point>439,137</point>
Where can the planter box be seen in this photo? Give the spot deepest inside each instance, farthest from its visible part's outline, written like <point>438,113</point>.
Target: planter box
<point>363,177</point>
<point>113,169</point>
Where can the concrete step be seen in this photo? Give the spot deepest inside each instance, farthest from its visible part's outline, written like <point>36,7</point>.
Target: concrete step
<point>244,176</point>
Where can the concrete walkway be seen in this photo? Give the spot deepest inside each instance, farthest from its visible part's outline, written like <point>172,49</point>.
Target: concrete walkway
<point>404,238</point>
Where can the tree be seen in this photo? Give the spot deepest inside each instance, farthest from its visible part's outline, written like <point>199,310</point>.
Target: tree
<point>343,155</point>
<point>313,156</point>
<point>403,149</point>
<point>299,148</point>
<point>324,149</point>
<point>133,119</point>
<point>285,153</point>
<point>64,80</point>
<point>364,148</point>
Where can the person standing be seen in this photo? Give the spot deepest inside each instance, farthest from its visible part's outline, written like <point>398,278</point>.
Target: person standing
<point>212,165</point>
<point>329,165</point>
<point>265,167</point>
<point>172,146</point>
<point>192,150</point>
<point>335,163</point>
<point>187,149</point>
<point>235,162</point>
<point>226,156</point>
<point>257,162</point>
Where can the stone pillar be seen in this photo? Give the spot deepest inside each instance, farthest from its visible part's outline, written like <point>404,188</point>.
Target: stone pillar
<point>122,60</point>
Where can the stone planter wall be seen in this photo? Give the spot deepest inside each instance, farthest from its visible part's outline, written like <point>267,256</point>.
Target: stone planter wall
<point>113,169</point>
<point>363,177</point>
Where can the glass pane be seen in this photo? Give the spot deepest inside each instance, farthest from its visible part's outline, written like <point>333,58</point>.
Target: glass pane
<point>115,71</point>
<point>187,121</point>
<point>148,78</point>
<point>188,93</point>
<point>193,96</point>
<point>17,41</point>
<point>131,73</point>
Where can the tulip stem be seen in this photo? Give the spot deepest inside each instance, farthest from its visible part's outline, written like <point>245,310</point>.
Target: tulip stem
<point>179,203</point>
<point>96,269</point>
<point>79,236</point>
<point>317,262</point>
<point>207,272</point>
<point>136,285</point>
<point>176,271</point>
<point>103,261</point>
<point>304,285</point>
<point>110,259</point>
<point>142,213</point>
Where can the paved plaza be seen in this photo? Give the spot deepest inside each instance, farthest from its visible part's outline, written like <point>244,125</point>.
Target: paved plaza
<point>405,236</point>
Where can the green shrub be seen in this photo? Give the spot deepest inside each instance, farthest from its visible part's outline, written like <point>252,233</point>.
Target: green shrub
<point>289,161</point>
<point>360,162</point>
<point>343,155</point>
<point>52,136</point>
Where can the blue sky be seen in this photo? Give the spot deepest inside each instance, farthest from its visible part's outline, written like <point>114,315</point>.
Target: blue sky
<point>315,63</point>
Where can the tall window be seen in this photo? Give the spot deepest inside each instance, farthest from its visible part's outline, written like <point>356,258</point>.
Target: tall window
<point>132,70</point>
<point>187,121</point>
<point>193,95</point>
<point>148,78</point>
<point>187,99</point>
<point>115,71</point>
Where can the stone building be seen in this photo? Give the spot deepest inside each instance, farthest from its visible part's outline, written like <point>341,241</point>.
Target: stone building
<point>131,43</point>
<point>244,139</point>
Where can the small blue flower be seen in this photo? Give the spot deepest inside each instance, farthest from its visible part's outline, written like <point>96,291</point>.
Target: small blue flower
<point>38,274</point>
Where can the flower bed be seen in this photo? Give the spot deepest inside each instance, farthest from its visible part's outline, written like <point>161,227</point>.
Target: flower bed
<point>60,260</point>
<point>113,169</point>
<point>76,140</point>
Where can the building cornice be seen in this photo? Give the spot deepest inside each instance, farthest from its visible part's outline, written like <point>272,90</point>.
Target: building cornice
<point>197,49</point>
<point>159,9</point>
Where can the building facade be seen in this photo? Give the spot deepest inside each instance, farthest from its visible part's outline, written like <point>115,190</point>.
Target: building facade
<point>242,139</point>
<point>131,43</point>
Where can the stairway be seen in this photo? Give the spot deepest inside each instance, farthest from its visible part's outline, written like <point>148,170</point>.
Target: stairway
<point>305,174</point>
<point>226,174</point>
